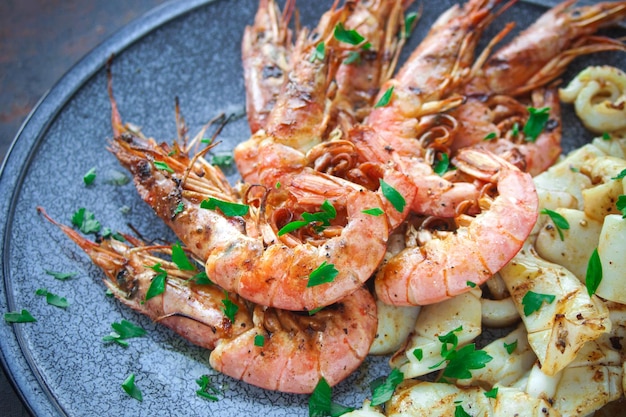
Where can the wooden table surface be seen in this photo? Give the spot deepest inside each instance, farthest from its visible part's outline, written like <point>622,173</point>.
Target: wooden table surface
<point>40,40</point>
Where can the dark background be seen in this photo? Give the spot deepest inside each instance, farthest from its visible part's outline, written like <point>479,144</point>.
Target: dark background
<point>40,40</point>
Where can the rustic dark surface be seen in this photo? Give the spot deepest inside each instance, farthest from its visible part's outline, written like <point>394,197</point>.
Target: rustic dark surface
<point>40,40</point>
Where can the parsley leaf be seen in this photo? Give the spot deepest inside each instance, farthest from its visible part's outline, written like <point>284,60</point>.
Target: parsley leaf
<point>490,136</point>
<point>383,392</point>
<point>532,301</point>
<point>322,274</point>
<point>131,389</point>
<point>460,412</point>
<point>157,285</point>
<point>230,308</point>
<point>53,299</point>
<point>223,161</point>
<point>61,276</point>
<point>90,176</point>
<point>351,37</point>
<point>19,317</point>
<point>559,221</point>
<point>207,390</point>
<point>536,122</point>
<point>354,57</point>
<point>409,23</point>
<point>510,347</point>
<point>229,209</point>
<point>179,208</point>
<point>320,403</point>
<point>385,99</point>
<point>393,196</point>
<point>201,278</point>
<point>470,284</point>
<point>376,211</point>
<point>606,136</point>
<point>122,331</point>
<point>441,167</point>
<point>179,257</point>
<point>621,205</point>
<point>619,176</point>
<point>515,130</point>
<point>593,277</point>
<point>493,393</point>
<point>107,233</point>
<point>318,53</point>
<point>418,353</point>
<point>259,340</point>
<point>86,221</point>
<point>461,361</point>
<point>319,219</point>
<point>163,166</point>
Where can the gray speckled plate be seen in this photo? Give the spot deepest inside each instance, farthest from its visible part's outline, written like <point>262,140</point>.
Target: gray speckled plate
<point>188,49</point>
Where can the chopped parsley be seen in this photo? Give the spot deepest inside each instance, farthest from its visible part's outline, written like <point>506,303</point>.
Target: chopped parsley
<point>619,176</point>
<point>460,412</point>
<point>157,285</point>
<point>385,99</point>
<point>319,220</point>
<point>229,209</point>
<point>376,211</point>
<point>318,53</point>
<point>606,136</point>
<point>393,196</point>
<point>163,166</point>
<point>179,257</point>
<point>461,361</point>
<point>19,317</point>
<point>90,176</point>
<point>515,130</point>
<point>53,299</point>
<point>418,353</point>
<point>107,233</point>
<point>409,23</point>
<point>207,390</point>
<point>492,393</point>
<point>559,221</point>
<point>442,165</point>
<point>201,278</point>
<point>621,205</point>
<point>510,347</point>
<point>131,389</point>
<point>593,277</point>
<point>61,276</point>
<point>179,208</point>
<point>351,37</point>
<point>536,122</point>
<point>322,274</point>
<point>224,161</point>
<point>321,404</point>
<point>470,284</point>
<point>230,309</point>
<point>382,391</point>
<point>86,221</point>
<point>259,340</point>
<point>533,301</point>
<point>354,57</point>
<point>122,331</point>
<point>490,136</point>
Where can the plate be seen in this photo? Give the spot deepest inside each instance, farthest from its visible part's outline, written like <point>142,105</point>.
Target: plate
<point>186,49</point>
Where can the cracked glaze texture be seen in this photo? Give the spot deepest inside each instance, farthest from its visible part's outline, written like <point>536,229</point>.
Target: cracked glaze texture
<point>188,49</point>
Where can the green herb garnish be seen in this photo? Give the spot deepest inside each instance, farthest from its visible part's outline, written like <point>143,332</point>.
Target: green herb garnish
<point>351,37</point>
<point>490,136</point>
<point>460,412</point>
<point>441,167</point>
<point>90,176</point>
<point>383,392</point>
<point>393,196</point>
<point>230,309</point>
<point>593,277</point>
<point>619,176</point>
<point>259,340</point>
<point>19,317</point>
<point>510,347</point>
<point>319,220</point>
<point>492,393</point>
<point>207,390</point>
<point>532,301</point>
<point>163,166</point>
<point>53,299</point>
<point>86,221</point>
<point>536,122</point>
<point>559,221</point>
<point>621,205</point>
<point>223,161</point>
<point>321,404</point>
<point>229,209</point>
<point>376,211</point>
<point>418,353</point>
<point>322,274</point>
<point>409,23</point>
<point>61,276</point>
<point>461,361</point>
<point>179,257</point>
<point>606,136</point>
<point>131,389</point>
<point>318,53</point>
<point>157,285</point>
<point>179,208</point>
<point>122,331</point>
<point>385,99</point>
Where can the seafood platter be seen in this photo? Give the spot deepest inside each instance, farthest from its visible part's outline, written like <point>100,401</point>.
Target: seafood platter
<point>362,208</point>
